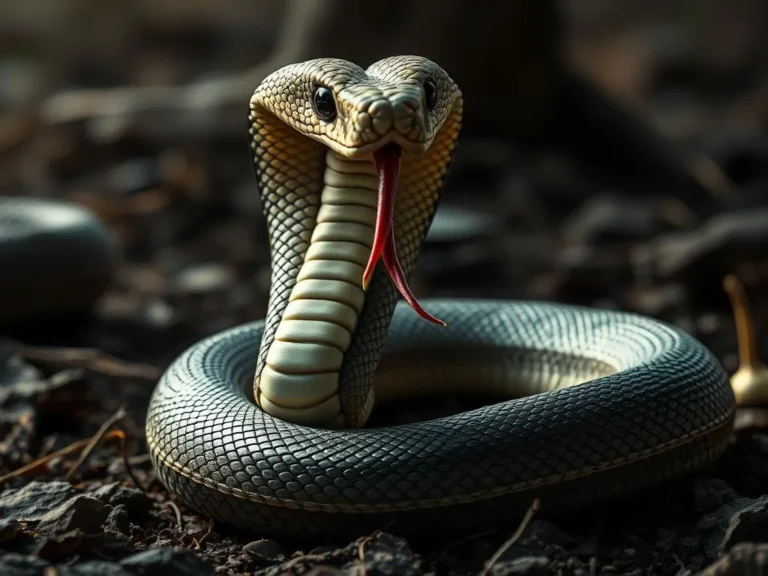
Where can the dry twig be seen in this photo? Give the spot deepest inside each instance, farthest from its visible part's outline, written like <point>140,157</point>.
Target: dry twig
<point>532,509</point>
<point>89,359</point>
<point>87,445</point>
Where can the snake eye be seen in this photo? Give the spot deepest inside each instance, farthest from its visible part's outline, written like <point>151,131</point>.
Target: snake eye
<point>430,94</point>
<point>325,106</point>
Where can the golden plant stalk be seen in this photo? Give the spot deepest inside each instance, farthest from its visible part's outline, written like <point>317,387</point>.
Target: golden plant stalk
<point>750,381</point>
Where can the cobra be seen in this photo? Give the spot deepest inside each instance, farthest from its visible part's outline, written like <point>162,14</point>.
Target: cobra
<point>263,426</point>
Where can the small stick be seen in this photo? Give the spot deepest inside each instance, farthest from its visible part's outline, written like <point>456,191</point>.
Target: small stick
<point>532,509</point>
<point>45,459</point>
<point>95,439</point>
<point>176,512</point>
<point>89,358</point>
<point>87,445</point>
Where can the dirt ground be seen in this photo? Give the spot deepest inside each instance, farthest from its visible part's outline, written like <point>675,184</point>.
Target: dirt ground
<point>179,195</point>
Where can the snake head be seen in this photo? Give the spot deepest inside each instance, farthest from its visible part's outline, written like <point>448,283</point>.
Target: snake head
<point>403,100</point>
<point>399,104</point>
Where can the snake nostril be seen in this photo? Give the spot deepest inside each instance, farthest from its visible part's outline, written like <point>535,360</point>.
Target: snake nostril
<point>381,115</point>
<point>409,118</point>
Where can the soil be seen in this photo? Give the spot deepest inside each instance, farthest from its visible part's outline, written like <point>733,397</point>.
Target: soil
<point>180,198</point>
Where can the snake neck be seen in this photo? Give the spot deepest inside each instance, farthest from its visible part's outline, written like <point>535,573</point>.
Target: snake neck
<point>323,333</point>
<point>300,377</point>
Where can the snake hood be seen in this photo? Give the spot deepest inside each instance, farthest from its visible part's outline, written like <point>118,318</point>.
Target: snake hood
<point>350,165</point>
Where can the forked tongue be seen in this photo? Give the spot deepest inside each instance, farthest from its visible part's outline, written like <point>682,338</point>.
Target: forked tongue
<point>388,166</point>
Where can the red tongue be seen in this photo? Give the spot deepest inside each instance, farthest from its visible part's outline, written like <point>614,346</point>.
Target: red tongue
<point>388,165</point>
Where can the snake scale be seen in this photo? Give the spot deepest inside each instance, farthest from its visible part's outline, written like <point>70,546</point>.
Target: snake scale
<point>262,426</point>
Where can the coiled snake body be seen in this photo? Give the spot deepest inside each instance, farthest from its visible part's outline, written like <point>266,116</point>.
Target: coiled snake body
<point>261,426</point>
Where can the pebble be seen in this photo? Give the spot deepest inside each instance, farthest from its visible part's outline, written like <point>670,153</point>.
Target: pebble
<point>453,224</point>
<point>134,175</point>
<point>115,494</point>
<point>265,549</point>
<point>167,561</point>
<point>14,370</point>
<point>205,278</point>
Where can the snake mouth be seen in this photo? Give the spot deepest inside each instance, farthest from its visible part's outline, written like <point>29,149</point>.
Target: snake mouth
<point>387,159</point>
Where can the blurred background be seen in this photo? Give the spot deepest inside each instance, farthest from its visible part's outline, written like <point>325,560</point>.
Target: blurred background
<point>614,154</point>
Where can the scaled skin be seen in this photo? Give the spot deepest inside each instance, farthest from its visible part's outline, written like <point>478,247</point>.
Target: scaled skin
<point>340,195</point>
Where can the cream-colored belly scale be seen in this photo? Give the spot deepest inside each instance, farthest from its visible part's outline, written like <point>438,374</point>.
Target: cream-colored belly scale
<point>300,381</point>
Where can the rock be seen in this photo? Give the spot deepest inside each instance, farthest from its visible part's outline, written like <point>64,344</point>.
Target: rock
<point>18,429</point>
<point>134,500</point>
<point>12,564</point>
<point>741,559</point>
<point>94,568</point>
<point>54,508</point>
<point>9,530</point>
<point>63,241</point>
<point>64,545</point>
<point>527,566</point>
<point>82,512</point>
<point>166,561</point>
<point>264,549</point>
<point>610,218</point>
<point>736,519</point>
<point>117,524</point>
<point>14,370</point>
<point>453,224</point>
<point>33,501</point>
